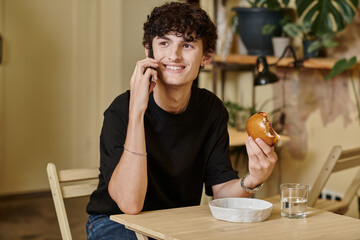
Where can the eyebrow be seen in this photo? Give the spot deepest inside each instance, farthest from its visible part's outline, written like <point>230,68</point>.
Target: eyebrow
<point>184,40</point>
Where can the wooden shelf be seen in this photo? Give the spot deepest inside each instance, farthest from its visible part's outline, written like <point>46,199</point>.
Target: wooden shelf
<point>235,62</point>
<point>312,63</point>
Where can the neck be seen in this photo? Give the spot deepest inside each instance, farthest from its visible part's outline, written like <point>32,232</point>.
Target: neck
<point>172,99</point>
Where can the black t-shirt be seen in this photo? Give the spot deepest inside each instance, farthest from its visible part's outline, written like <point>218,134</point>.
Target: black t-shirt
<point>184,151</point>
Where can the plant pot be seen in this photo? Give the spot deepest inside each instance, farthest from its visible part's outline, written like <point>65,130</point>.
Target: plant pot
<point>312,54</point>
<point>279,45</point>
<point>251,21</point>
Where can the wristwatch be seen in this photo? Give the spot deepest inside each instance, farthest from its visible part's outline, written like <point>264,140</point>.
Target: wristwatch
<point>250,190</point>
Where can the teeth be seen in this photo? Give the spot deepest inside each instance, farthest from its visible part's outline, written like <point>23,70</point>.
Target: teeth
<point>174,68</point>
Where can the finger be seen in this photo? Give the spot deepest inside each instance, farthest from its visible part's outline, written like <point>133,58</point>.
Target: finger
<point>142,65</point>
<point>151,72</point>
<point>255,166</point>
<point>149,76</point>
<point>258,151</point>
<point>253,146</point>
<point>147,60</point>
<point>152,86</point>
<point>266,149</point>
<point>267,156</point>
<point>250,151</point>
<point>148,63</point>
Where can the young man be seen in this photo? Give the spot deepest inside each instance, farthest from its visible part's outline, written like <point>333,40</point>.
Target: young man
<point>163,139</point>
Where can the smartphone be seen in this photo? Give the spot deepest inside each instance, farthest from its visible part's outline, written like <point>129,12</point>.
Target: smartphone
<point>151,55</point>
<point>151,52</point>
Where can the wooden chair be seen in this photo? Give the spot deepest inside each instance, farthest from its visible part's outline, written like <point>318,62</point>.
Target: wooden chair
<point>338,160</point>
<point>69,184</point>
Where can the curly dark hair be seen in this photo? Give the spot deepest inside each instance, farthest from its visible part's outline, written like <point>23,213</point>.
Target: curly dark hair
<point>184,19</point>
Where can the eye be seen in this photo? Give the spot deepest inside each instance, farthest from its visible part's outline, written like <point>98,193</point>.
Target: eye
<point>186,45</point>
<point>164,43</point>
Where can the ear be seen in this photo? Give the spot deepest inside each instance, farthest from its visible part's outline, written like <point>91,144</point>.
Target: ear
<point>207,58</point>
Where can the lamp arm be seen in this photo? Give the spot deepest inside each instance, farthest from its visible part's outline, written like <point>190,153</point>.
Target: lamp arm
<point>297,63</point>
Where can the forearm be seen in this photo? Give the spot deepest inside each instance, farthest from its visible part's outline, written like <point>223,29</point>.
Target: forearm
<point>262,160</point>
<point>233,188</point>
<point>128,183</point>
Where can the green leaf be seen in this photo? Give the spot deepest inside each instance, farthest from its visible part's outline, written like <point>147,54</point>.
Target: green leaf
<point>340,20</point>
<point>322,22</point>
<point>340,66</point>
<point>286,2</point>
<point>319,14</point>
<point>354,2</point>
<point>288,18</point>
<point>260,2</point>
<point>301,6</point>
<point>270,4</point>
<point>252,4</point>
<point>308,21</point>
<point>268,29</point>
<point>346,10</point>
<point>273,4</point>
<point>293,29</point>
<point>329,43</point>
<point>317,44</point>
<point>235,24</point>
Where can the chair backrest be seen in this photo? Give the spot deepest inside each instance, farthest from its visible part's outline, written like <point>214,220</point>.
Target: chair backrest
<point>338,160</point>
<point>69,184</point>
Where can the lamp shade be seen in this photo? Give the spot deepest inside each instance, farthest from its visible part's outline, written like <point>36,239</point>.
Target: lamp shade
<point>264,76</point>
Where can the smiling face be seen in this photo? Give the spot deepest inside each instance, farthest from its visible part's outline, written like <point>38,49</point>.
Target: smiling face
<point>179,59</point>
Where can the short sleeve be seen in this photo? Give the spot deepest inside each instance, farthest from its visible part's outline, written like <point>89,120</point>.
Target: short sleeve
<point>219,168</point>
<point>112,139</point>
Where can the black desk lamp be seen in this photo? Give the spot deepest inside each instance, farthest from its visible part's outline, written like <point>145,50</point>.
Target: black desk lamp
<point>264,76</point>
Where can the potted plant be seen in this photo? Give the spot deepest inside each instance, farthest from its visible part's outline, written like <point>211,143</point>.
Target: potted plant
<point>238,115</point>
<point>311,43</point>
<point>279,43</point>
<point>259,13</point>
<point>322,19</point>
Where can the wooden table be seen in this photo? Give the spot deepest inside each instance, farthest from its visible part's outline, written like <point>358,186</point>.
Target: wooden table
<point>237,138</point>
<point>197,223</point>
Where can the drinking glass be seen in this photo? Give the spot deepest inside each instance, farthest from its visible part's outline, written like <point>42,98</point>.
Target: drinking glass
<point>294,197</point>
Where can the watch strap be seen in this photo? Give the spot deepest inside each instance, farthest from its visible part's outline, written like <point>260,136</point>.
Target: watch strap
<point>250,190</point>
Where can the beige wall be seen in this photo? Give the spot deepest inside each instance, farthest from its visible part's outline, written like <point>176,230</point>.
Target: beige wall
<point>48,81</point>
<point>64,62</point>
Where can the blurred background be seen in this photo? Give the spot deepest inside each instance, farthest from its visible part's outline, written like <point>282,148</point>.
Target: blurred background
<point>64,61</point>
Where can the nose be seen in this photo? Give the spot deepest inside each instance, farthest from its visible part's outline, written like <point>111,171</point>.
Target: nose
<point>174,53</point>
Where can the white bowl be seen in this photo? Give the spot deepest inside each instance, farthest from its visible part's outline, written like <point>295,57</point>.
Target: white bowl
<point>240,209</point>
